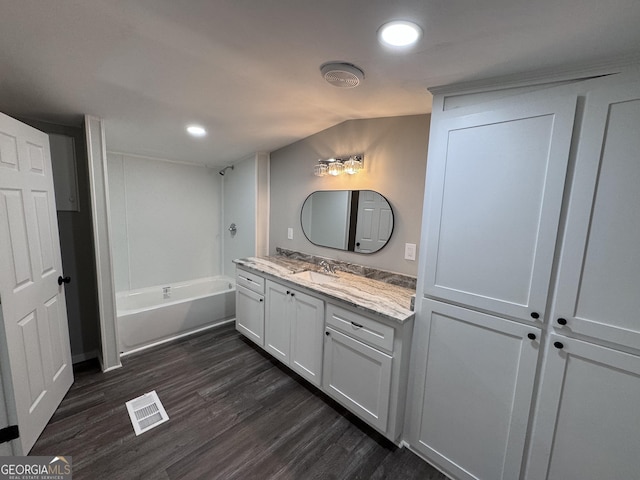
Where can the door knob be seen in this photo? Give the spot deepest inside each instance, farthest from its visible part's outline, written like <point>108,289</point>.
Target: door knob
<point>63,280</point>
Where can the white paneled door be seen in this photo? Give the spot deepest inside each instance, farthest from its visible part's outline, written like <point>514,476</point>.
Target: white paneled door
<point>374,224</point>
<point>34,335</point>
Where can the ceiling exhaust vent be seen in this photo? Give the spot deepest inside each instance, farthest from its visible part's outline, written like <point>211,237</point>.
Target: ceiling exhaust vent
<point>342,75</point>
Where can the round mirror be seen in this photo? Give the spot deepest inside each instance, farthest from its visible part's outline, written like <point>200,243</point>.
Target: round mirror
<point>352,220</point>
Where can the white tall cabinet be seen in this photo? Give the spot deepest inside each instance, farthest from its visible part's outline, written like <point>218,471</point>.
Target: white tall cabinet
<point>527,340</point>
<point>495,184</point>
<point>588,422</point>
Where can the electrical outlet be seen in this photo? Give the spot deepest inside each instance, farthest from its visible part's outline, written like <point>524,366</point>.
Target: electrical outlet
<point>290,233</point>
<point>409,251</point>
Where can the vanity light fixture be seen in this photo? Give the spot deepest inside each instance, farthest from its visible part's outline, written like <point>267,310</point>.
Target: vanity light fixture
<point>399,34</point>
<point>337,166</point>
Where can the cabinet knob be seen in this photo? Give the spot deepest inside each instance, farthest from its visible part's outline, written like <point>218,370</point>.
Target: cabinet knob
<point>327,333</point>
<point>261,299</point>
<point>558,345</point>
<point>535,315</point>
<point>531,336</point>
<point>288,292</point>
<point>293,294</point>
<point>562,321</point>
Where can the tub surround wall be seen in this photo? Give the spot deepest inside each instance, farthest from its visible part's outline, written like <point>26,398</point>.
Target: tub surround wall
<point>395,152</point>
<point>245,204</point>
<point>166,221</point>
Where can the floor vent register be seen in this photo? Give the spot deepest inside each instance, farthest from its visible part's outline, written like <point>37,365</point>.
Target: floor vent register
<point>146,412</point>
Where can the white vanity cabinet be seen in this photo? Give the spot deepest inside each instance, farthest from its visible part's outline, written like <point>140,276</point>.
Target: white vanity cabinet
<point>250,305</point>
<point>293,329</point>
<point>365,367</point>
<point>360,359</point>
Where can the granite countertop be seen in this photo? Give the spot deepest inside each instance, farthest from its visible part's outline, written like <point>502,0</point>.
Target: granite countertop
<point>372,296</point>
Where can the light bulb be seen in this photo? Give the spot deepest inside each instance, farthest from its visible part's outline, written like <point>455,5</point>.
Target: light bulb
<point>336,168</point>
<point>399,34</point>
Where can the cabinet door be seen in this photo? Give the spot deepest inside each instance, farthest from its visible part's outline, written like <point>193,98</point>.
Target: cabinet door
<point>250,314</point>
<point>495,182</point>
<point>307,325</point>
<point>358,376</point>
<point>478,373</point>
<point>278,321</point>
<point>599,270</point>
<point>588,415</point>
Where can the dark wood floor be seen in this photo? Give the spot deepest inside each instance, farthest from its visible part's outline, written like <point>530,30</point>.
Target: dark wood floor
<point>234,413</point>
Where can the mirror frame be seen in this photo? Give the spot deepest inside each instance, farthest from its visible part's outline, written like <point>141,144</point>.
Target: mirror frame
<point>350,227</point>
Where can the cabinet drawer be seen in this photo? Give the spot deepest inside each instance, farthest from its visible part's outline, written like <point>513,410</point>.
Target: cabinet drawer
<point>250,280</point>
<point>363,328</point>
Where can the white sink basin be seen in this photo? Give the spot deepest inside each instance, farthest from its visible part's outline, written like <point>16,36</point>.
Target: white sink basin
<point>315,277</point>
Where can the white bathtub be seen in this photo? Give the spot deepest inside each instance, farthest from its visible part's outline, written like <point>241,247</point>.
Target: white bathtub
<point>148,316</point>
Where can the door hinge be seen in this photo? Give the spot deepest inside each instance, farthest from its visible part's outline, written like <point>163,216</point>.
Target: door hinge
<point>9,433</point>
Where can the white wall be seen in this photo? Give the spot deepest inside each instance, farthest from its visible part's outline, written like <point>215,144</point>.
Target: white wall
<point>166,221</point>
<point>395,150</point>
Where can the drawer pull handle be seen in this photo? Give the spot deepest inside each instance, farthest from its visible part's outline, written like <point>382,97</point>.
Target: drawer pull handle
<point>357,325</point>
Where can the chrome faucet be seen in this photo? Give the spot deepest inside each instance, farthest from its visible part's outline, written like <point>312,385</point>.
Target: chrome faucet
<point>327,267</point>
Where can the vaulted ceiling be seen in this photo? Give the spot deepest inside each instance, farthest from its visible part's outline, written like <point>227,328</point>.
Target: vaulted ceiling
<point>248,70</point>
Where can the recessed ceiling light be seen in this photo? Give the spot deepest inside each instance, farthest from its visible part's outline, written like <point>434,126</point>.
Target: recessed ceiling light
<point>196,130</point>
<point>399,34</point>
